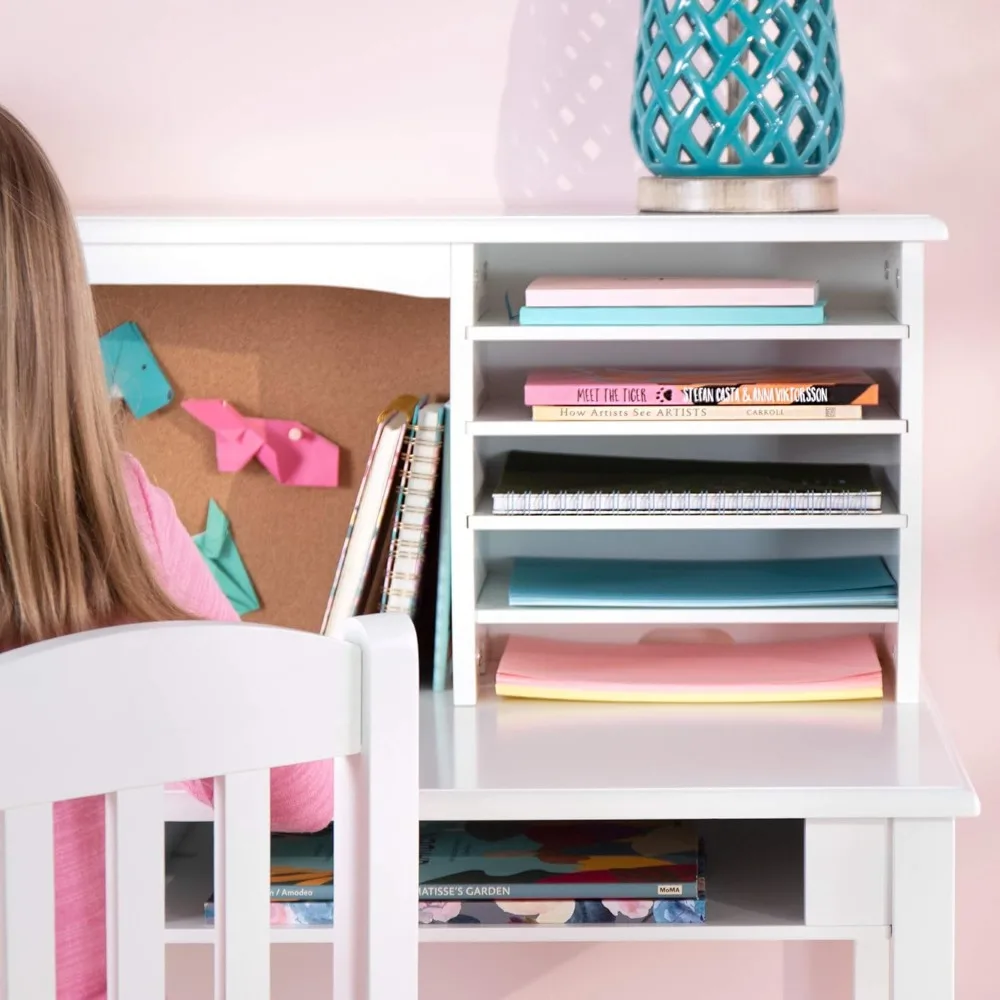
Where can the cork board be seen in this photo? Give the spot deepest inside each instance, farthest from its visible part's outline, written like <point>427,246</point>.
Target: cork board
<point>331,358</point>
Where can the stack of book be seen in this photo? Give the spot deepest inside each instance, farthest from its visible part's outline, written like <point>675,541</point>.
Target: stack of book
<point>582,394</point>
<point>664,301</point>
<point>396,555</point>
<point>610,872</point>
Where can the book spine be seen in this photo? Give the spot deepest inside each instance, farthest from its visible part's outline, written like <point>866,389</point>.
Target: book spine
<point>626,295</point>
<point>674,316</point>
<point>730,394</point>
<point>637,414</point>
<point>304,893</point>
<point>560,890</point>
<point>498,912</point>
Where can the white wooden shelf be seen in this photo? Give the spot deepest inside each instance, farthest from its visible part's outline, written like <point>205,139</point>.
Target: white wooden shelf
<point>514,420</point>
<point>494,608</point>
<point>509,758</point>
<point>753,895</point>
<point>485,520</point>
<point>868,324</point>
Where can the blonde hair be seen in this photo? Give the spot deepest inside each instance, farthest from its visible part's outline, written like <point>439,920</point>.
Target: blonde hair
<point>71,557</point>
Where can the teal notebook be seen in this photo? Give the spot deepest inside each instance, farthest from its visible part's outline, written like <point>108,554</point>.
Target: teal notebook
<point>442,617</point>
<point>862,581</point>
<point>673,315</point>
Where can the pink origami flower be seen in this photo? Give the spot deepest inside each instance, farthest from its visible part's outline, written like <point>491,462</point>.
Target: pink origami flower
<point>293,453</point>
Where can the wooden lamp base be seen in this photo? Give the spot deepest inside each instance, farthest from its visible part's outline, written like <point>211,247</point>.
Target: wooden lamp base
<point>744,195</point>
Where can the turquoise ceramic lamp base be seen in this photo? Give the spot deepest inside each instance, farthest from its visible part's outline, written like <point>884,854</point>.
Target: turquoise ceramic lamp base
<point>738,105</point>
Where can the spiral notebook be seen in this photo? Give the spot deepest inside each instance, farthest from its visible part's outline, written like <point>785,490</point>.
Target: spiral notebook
<point>414,502</point>
<point>537,483</point>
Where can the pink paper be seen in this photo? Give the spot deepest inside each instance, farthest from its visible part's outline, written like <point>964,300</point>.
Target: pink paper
<point>293,453</point>
<point>607,291</point>
<point>845,663</point>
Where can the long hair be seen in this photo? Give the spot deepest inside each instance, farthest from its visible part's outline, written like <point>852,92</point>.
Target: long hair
<point>71,556</point>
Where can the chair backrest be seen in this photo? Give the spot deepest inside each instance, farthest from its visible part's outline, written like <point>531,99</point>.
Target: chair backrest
<point>121,712</point>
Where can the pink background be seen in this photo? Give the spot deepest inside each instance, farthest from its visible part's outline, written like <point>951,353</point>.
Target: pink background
<point>306,106</point>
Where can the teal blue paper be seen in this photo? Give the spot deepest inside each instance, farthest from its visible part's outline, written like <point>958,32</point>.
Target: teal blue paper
<point>219,550</point>
<point>861,581</point>
<point>131,371</point>
<point>673,315</point>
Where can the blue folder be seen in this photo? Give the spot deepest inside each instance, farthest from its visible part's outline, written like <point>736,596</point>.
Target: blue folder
<point>673,315</point>
<point>862,581</point>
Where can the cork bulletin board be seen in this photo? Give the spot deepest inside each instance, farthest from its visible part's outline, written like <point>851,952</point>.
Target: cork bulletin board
<point>331,358</point>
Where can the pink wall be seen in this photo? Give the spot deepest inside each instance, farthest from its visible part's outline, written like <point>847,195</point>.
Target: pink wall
<point>312,107</point>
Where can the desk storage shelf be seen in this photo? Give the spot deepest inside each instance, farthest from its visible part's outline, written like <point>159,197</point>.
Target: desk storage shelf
<point>857,802</point>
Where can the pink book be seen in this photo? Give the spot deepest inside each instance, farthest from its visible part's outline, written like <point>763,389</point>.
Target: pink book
<point>593,291</point>
<point>845,668</point>
<point>743,387</point>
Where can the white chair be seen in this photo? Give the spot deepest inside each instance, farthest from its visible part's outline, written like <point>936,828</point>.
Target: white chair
<point>121,712</point>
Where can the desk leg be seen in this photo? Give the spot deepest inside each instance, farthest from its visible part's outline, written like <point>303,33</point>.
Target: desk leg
<point>872,960</point>
<point>923,909</point>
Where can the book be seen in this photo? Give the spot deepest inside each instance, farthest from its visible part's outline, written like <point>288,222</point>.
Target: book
<point>840,668</point>
<point>356,565</point>
<point>533,483</point>
<point>504,912</point>
<point>841,582</point>
<point>442,617</point>
<point>740,387</point>
<point>414,503</point>
<point>673,315</point>
<point>580,414</point>
<point>560,860</point>
<point>664,291</point>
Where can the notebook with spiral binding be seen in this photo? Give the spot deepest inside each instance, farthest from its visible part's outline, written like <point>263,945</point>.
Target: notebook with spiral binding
<point>534,483</point>
<point>420,463</point>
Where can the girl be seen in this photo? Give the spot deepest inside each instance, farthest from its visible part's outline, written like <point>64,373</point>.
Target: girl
<point>85,539</point>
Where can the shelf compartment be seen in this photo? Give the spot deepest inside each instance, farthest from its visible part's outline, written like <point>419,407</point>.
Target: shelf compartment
<point>756,892</point>
<point>485,520</point>
<point>514,420</point>
<point>842,324</point>
<point>494,608</point>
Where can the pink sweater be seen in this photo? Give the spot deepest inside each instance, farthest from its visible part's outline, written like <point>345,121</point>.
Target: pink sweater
<point>301,796</point>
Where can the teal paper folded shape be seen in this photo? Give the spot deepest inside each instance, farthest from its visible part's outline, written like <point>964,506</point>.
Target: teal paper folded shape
<point>131,371</point>
<point>218,549</point>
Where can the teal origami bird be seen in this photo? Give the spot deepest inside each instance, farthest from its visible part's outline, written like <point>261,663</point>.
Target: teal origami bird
<point>218,549</point>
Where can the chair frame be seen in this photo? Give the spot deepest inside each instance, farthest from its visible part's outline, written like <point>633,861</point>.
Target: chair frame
<point>141,706</point>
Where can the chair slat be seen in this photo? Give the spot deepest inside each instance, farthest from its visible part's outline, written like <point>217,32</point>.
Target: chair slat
<point>242,886</point>
<point>135,894</point>
<point>28,959</point>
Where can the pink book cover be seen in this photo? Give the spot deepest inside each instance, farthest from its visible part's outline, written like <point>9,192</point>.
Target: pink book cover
<point>744,387</point>
<point>595,292</point>
<point>804,669</point>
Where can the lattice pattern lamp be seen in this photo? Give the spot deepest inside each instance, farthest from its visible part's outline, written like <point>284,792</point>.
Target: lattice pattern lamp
<point>738,105</point>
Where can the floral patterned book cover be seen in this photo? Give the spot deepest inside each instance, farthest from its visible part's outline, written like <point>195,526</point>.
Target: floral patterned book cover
<point>560,860</point>
<point>496,912</point>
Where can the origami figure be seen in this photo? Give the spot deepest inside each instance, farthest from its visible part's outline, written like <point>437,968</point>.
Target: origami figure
<point>290,451</point>
<point>131,371</point>
<point>218,549</point>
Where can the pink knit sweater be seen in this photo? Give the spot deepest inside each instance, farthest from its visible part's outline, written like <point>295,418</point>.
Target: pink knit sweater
<point>301,796</point>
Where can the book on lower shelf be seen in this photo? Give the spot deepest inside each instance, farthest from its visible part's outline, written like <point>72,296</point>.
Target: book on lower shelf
<point>532,872</point>
<point>533,483</point>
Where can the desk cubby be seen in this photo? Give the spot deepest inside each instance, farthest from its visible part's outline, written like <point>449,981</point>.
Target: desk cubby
<point>870,788</point>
